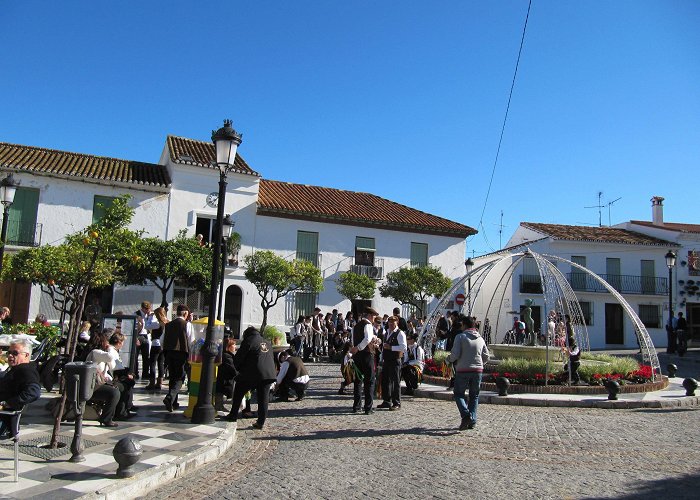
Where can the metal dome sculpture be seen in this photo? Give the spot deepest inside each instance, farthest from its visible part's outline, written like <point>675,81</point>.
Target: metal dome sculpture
<point>494,278</point>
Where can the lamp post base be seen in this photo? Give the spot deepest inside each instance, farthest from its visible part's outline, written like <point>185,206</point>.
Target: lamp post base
<point>203,414</point>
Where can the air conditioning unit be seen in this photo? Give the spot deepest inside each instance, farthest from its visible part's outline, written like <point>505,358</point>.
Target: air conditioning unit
<point>375,272</point>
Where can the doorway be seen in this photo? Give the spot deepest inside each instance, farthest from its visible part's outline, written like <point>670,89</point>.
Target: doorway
<point>693,319</point>
<point>232,309</point>
<point>614,332</point>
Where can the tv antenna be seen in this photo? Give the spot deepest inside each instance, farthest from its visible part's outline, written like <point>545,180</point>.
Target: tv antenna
<point>500,232</point>
<point>599,206</point>
<point>609,204</point>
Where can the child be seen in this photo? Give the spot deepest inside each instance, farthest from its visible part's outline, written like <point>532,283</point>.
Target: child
<point>226,374</point>
<point>346,368</point>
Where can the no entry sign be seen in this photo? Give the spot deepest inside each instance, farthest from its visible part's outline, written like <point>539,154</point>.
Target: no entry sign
<point>459,299</point>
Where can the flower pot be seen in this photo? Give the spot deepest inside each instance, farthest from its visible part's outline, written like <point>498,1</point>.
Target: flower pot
<point>503,384</point>
<point>613,387</point>
<point>690,384</point>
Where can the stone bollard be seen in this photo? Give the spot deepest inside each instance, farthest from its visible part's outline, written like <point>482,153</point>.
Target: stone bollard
<point>672,369</point>
<point>503,384</point>
<point>613,387</point>
<point>690,384</point>
<point>127,452</point>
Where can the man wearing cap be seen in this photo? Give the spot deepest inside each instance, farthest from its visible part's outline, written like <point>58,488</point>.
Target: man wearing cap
<point>364,343</point>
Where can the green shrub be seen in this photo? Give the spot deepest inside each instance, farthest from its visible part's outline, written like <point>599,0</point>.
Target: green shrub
<point>274,335</point>
<point>42,332</point>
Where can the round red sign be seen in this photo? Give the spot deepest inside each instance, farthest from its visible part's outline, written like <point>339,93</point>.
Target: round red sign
<point>459,299</point>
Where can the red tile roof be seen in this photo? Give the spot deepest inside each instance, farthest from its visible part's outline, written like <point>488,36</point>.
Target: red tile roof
<point>43,161</point>
<point>299,201</point>
<point>190,152</point>
<point>595,234</point>
<point>671,226</point>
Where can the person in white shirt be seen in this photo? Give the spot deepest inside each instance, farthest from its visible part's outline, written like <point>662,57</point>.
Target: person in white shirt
<point>143,339</point>
<point>393,351</point>
<point>292,374</point>
<point>414,361</point>
<point>364,346</point>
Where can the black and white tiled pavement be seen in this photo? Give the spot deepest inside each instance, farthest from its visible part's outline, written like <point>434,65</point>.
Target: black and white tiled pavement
<point>168,441</point>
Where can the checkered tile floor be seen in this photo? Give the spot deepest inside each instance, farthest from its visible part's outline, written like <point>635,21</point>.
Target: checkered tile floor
<point>163,436</point>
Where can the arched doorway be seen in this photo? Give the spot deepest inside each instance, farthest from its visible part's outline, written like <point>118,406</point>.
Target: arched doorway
<point>232,309</point>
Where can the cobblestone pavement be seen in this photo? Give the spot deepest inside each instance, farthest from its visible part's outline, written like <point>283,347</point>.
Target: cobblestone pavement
<point>317,449</point>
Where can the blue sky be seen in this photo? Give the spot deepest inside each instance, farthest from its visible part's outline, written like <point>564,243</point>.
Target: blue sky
<point>404,99</point>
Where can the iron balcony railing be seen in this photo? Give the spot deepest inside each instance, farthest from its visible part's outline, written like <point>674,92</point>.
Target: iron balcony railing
<point>23,234</point>
<point>638,285</point>
<point>314,258</point>
<point>375,270</point>
<point>582,282</point>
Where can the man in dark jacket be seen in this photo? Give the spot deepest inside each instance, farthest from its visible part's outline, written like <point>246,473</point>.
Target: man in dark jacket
<point>176,347</point>
<point>20,384</point>
<point>256,370</point>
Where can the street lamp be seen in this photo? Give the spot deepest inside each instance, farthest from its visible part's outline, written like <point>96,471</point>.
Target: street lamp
<point>469,264</point>
<point>670,262</point>
<point>226,141</point>
<point>228,229</point>
<point>8,188</point>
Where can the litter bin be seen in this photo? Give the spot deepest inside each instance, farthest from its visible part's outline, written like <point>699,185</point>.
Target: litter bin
<point>80,381</point>
<point>195,360</point>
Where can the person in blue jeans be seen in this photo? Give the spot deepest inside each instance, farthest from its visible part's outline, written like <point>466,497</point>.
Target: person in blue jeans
<point>469,354</point>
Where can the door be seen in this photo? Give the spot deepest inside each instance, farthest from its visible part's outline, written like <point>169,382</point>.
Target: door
<point>232,309</point>
<point>614,333</point>
<point>612,271</point>
<point>693,319</point>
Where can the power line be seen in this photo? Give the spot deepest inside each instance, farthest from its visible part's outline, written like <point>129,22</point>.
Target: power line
<point>503,127</point>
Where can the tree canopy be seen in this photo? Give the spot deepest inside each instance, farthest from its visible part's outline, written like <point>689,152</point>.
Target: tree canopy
<point>415,285</point>
<point>356,286</point>
<point>274,277</point>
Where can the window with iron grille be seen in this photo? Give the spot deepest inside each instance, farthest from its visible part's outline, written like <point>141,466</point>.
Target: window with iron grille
<point>197,301</point>
<point>650,315</point>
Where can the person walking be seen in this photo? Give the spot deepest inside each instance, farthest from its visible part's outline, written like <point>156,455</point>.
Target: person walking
<point>681,339</point>
<point>364,346</point>
<point>177,349</point>
<point>256,370</point>
<point>469,354</point>
<point>392,358</point>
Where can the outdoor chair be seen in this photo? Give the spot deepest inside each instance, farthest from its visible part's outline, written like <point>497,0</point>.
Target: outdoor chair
<point>10,418</point>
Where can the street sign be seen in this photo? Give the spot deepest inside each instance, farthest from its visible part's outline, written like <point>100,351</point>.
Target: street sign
<point>459,299</point>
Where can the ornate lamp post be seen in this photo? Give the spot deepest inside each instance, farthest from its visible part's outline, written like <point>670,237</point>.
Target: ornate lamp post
<point>226,140</point>
<point>228,228</point>
<point>670,262</point>
<point>469,264</point>
<point>8,188</point>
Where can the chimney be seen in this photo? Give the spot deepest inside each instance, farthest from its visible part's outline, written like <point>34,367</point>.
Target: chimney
<point>657,210</point>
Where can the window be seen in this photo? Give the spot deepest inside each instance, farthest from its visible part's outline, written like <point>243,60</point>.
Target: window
<point>649,314</point>
<point>364,251</point>
<point>22,228</point>
<point>99,205</point>
<point>587,310</point>
<point>205,226</point>
<point>612,271</point>
<point>304,303</point>
<point>648,277</point>
<point>307,247</point>
<point>419,254</point>
<point>578,277</point>
<point>530,281</point>
<point>197,301</point>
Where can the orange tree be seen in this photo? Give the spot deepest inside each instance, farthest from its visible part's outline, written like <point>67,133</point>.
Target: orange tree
<point>91,258</point>
<point>415,285</point>
<point>275,277</point>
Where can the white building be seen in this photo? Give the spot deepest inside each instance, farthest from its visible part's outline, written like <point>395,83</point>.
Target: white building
<point>686,273</point>
<point>632,262</point>
<point>338,230</point>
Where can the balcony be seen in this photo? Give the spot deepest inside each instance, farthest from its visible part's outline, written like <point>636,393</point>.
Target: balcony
<point>374,270</point>
<point>625,284</point>
<point>22,234</point>
<point>314,258</point>
<point>530,283</point>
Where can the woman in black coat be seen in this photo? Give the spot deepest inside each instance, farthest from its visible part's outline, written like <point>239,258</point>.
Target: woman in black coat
<point>255,363</point>
<point>226,374</point>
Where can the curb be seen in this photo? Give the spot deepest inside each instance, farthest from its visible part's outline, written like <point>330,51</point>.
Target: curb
<point>150,479</point>
<point>620,404</point>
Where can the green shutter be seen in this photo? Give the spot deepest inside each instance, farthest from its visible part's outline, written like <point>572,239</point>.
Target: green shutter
<point>99,211</point>
<point>362,243</point>
<point>307,246</point>
<point>21,219</point>
<point>419,254</point>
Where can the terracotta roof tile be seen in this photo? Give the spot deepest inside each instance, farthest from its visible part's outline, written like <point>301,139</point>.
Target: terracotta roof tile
<point>64,164</point>
<point>190,152</point>
<point>299,201</point>
<point>671,226</point>
<point>595,234</point>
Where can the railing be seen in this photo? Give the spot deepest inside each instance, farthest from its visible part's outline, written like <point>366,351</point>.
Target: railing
<point>530,283</point>
<point>639,285</point>
<point>374,271</point>
<point>419,263</point>
<point>314,258</point>
<point>23,234</point>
